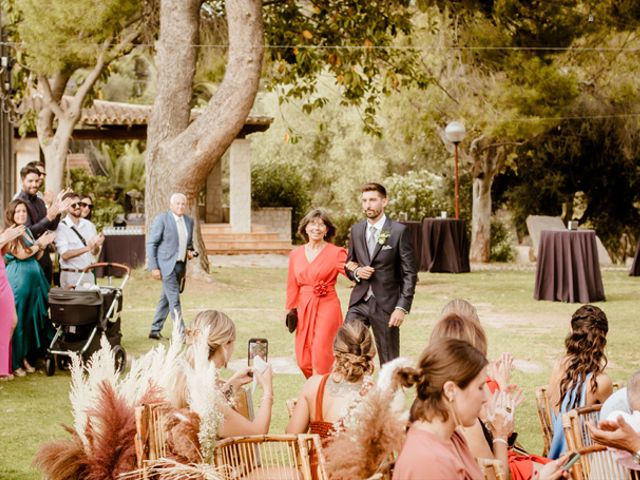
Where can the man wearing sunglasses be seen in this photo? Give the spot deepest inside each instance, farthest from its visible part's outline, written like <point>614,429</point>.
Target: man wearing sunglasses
<point>77,242</point>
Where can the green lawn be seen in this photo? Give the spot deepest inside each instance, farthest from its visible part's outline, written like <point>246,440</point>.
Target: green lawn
<point>33,407</point>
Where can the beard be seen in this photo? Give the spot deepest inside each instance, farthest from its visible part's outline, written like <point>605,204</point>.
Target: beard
<point>372,213</point>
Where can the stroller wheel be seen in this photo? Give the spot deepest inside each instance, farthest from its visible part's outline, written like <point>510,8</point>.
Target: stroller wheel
<point>50,365</point>
<point>120,357</point>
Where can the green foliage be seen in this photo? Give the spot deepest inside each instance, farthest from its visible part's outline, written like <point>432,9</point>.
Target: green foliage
<point>277,184</point>
<point>123,164</point>
<point>106,205</point>
<point>343,222</point>
<point>415,195</point>
<point>80,29</point>
<point>501,241</point>
<point>598,157</point>
<point>349,39</point>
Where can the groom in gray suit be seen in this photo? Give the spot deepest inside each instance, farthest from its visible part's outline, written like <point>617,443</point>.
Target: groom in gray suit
<point>381,261</point>
<point>169,246</point>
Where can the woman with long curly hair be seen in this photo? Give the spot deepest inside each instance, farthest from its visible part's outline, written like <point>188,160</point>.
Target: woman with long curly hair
<point>326,399</point>
<point>578,378</point>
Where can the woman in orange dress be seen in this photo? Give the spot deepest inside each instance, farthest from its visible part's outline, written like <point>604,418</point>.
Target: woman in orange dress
<point>313,270</point>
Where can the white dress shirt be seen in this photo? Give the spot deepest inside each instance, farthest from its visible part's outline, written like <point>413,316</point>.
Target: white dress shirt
<point>66,239</point>
<point>182,237</point>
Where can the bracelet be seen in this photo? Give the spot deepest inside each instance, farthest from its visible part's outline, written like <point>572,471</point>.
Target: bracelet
<point>501,440</point>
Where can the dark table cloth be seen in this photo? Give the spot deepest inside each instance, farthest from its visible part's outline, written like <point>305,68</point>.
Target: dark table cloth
<point>127,249</point>
<point>445,246</point>
<point>568,269</point>
<point>635,266</point>
<point>415,234</point>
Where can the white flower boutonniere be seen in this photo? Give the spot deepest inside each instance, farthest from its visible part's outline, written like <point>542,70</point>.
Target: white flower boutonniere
<point>384,235</point>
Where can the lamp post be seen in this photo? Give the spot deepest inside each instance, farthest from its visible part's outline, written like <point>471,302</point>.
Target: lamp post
<point>455,132</point>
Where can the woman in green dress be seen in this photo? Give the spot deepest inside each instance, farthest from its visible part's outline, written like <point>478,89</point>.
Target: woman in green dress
<point>30,290</point>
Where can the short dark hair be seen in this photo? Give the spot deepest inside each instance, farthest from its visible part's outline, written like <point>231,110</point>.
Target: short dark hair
<point>27,169</point>
<point>312,215</point>
<point>70,195</point>
<point>374,187</point>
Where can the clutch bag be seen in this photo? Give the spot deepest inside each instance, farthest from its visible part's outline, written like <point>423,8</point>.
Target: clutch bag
<point>291,320</point>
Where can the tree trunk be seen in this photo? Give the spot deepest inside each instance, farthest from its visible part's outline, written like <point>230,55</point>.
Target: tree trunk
<point>55,149</point>
<point>181,155</point>
<point>480,250</point>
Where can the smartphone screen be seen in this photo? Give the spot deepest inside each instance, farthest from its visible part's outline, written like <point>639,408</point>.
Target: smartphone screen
<point>573,458</point>
<point>257,347</point>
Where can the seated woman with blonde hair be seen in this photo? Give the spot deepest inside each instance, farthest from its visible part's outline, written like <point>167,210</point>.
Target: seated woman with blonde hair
<point>221,342</point>
<point>326,399</point>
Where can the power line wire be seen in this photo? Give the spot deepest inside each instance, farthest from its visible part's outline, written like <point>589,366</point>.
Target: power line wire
<point>390,47</point>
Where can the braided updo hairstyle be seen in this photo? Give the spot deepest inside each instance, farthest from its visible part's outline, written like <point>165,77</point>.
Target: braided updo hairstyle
<point>585,349</point>
<point>444,360</point>
<point>354,352</point>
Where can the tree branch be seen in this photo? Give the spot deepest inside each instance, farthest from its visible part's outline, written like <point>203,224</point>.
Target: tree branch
<point>76,104</point>
<point>51,104</point>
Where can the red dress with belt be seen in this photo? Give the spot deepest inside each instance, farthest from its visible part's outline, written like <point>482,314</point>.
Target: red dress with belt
<point>311,289</point>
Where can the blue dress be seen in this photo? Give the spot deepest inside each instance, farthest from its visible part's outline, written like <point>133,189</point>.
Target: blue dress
<point>30,290</point>
<point>569,402</point>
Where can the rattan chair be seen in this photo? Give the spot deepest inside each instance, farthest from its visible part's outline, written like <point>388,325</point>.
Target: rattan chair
<point>151,436</point>
<point>491,468</point>
<point>596,461</point>
<point>271,457</point>
<point>543,406</point>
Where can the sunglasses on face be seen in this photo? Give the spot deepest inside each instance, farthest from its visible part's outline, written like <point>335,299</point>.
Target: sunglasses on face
<point>74,205</point>
<point>83,204</point>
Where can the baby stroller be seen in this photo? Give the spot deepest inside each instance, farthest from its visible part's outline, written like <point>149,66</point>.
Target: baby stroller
<point>81,316</point>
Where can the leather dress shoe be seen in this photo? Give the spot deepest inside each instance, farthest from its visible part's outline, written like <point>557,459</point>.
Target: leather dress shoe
<point>155,335</point>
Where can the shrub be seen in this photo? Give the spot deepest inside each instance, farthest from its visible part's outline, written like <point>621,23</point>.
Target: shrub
<point>105,196</point>
<point>416,194</point>
<point>343,222</point>
<point>278,184</point>
<point>501,249</point>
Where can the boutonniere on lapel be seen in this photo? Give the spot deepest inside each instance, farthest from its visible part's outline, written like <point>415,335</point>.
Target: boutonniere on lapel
<point>384,236</point>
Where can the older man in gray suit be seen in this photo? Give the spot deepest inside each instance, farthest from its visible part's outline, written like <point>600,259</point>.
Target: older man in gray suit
<point>169,246</point>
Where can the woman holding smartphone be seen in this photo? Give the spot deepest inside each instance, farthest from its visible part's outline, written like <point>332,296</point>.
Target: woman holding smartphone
<point>30,289</point>
<point>221,339</point>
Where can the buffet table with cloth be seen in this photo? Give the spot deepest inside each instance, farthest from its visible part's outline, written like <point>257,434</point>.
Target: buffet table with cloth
<point>128,249</point>
<point>445,246</point>
<point>415,234</point>
<point>568,269</point>
<point>635,266</point>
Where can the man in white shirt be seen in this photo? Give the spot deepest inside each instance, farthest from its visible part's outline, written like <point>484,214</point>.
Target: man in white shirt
<point>77,243</point>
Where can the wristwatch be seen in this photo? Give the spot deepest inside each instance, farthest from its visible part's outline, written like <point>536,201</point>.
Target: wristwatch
<point>636,457</point>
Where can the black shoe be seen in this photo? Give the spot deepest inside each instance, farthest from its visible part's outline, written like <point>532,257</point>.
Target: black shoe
<point>155,335</point>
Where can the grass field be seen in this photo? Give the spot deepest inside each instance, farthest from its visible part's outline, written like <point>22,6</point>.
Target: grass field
<point>33,407</point>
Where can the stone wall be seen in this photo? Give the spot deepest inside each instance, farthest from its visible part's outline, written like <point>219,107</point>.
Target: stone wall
<point>276,219</point>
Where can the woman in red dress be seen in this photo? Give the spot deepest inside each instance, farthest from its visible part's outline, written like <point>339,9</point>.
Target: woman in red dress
<point>313,269</point>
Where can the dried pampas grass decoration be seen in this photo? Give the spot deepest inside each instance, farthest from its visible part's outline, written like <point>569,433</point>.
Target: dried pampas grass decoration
<point>204,396</point>
<point>373,431</point>
<point>63,459</point>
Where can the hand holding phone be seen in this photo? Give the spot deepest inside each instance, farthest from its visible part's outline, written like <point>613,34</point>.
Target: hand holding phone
<point>257,347</point>
<point>573,458</point>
